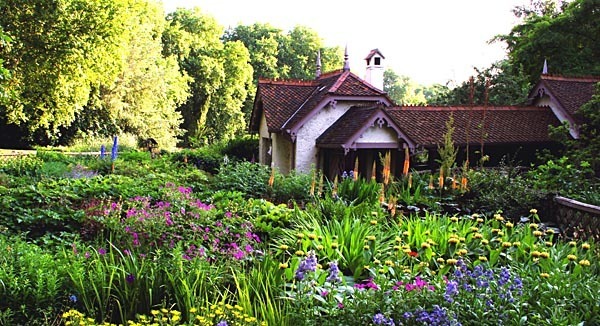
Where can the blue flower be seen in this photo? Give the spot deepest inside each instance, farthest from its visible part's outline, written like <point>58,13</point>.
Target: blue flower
<point>222,323</point>
<point>73,298</point>
<point>307,265</point>
<point>379,319</point>
<point>334,273</point>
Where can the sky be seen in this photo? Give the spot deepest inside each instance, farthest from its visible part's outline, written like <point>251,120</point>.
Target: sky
<point>430,41</point>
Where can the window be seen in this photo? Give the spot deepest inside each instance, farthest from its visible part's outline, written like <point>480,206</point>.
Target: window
<point>377,61</point>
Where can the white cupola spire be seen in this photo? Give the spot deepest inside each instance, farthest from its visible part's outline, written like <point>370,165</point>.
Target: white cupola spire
<point>375,68</point>
<point>318,72</point>
<point>346,62</point>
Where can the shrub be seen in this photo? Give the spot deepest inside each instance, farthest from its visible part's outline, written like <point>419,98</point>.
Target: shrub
<point>246,177</point>
<point>242,149</point>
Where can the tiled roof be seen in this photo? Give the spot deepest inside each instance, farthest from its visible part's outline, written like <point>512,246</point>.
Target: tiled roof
<point>346,126</point>
<point>570,92</point>
<point>426,126</point>
<point>286,103</point>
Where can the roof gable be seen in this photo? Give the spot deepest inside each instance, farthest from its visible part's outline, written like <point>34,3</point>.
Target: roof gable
<point>286,104</point>
<point>569,93</point>
<point>345,132</point>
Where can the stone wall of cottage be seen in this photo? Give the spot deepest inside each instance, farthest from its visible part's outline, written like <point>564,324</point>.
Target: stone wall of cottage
<point>306,151</point>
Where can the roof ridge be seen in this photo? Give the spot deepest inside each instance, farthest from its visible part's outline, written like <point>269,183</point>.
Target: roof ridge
<point>589,78</point>
<point>331,73</point>
<point>291,82</point>
<point>468,108</point>
<point>339,81</point>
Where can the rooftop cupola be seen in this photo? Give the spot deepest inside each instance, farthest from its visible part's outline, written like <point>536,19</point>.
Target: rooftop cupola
<point>375,68</point>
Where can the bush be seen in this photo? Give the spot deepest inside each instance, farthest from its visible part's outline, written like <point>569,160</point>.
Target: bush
<point>242,149</point>
<point>249,178</point>
<point>207,158</point>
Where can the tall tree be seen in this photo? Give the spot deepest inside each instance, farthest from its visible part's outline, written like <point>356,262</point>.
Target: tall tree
<point>59,49</point>
<point>567,35</point>
<point>507,86</point>
<point>401,89</point>
<point>194,39</point>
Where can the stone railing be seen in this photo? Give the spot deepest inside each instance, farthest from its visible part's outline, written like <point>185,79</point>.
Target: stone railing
<point>577,219</point>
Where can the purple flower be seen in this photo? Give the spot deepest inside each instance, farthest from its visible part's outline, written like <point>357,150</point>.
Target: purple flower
<point>222,323</point>
<point>307,265</point>
<point>87,254</point>
<point>101,251</point>
<point>334,273</point>
<point>379,319</point>
<point>130,278</point>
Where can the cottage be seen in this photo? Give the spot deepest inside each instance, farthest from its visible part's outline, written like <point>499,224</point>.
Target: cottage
<point>330,122</point>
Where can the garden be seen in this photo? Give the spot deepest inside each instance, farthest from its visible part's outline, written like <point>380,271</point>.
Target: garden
<point>207,237</point>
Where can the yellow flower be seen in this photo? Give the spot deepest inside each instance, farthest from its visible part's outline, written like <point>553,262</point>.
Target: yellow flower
<point>545,275</point>
<point>495,230</point>
<point>533,225</point>
<point>283,247</point>
<point>498,217</point>
<point>462,252</point>
<point>441,260</point>
<point>572,243</point>
<point>397,248</point>
<point>164,310</point>
<point>483,258</point>
<point>550,231</point>
<point>477,236</point>
<point>584,262</point>
<point>376,262</point>
<point>474,229</point>
<point>299,253</point>
<point>334,245</point>
<point>506,244</point>
<point>193,310</point>
<point>484,242</point>
<point>425,245</point>
<point>366,247</point>
<point>548,243</point>
<point>382,271</point>
<point>283,265</point>
<point>406,233</point>
<point>176,318</point>
<point>537,233</point>
<point>154,312</point>
<point>454,219</point>
<point>536,254</point>
<point>509,225</point>
<point>585,246</point>
<point>451,261</point>
<point>516,243</point>
<point>300,235</point>
<point>544,254</point>
<point>373,222</point>
<point>533,211</point>
<point>398,239</point>
<point>371,238</point>
<point>389,263</point>
<point>572,257</point>
<point>319,247</point>
<point>366,267</point>
<point>312,236</point>
<point>453,240</point>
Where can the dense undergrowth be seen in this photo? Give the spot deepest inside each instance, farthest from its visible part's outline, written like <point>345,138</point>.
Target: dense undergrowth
<point>201,238</point>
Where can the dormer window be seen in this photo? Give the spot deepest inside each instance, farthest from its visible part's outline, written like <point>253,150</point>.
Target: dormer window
<point>377,61</point>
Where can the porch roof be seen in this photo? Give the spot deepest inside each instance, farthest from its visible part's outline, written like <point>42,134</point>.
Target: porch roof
<point>348,128</point>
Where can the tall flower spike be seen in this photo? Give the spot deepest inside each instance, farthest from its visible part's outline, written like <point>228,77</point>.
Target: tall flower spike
<point>406,162</point>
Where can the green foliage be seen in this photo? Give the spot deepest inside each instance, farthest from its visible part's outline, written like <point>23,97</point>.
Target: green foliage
<point>291,188</point>
<point>567,37</point>
<point>246,177</point>
<point>219,72</point>
<point>29,166</point>
<point>242,149</point>
<point>207,158</point>
<point>507,86</point>
<point>402,90</point>
<point>447,150</point>
<point>31,280</point>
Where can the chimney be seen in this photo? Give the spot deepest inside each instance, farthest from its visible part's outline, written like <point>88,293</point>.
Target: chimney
<point>375,68</point>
